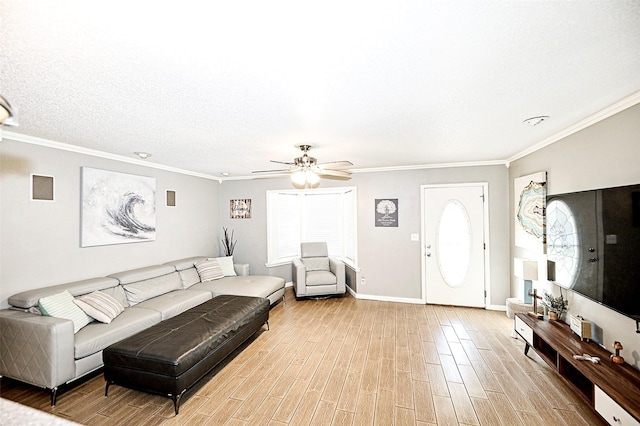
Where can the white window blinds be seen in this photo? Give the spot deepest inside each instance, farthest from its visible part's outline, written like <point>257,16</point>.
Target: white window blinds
<point>307,216</point>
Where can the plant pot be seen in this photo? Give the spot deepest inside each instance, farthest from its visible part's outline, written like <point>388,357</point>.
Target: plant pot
<point>553,316</point>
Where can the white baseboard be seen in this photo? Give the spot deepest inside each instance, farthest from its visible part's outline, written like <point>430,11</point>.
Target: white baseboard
<point>387,298</point>
<point>288,284</point>
<point>496,308</point>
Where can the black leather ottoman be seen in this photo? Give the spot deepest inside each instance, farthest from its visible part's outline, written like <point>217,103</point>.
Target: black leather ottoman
<point>170,357</point>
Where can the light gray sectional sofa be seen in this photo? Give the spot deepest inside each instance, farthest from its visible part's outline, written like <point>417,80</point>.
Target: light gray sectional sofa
<point>45,352</point>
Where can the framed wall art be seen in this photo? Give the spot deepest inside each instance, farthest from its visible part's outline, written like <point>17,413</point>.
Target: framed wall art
<point>117,208</point>
<point>240,209</point>
<point>530,195</point>
<point>386,212</point>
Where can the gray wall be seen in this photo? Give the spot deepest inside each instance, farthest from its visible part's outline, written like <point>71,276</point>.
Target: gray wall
<point>603,155</point>
<point>388,259</point>
<point>40,241</point>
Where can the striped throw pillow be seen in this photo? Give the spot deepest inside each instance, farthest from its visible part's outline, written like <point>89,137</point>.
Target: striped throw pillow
<point>209,270</point>
<point>61,306</point>
<point>100,306</point>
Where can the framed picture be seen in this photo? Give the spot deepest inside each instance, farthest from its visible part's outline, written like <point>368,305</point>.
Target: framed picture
<point>240,209</point>
<point>386,212</point>
<point>117,208</point>
<point>530,195</point>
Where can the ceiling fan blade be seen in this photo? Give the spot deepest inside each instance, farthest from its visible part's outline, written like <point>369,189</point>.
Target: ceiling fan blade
<point>336,173</point>
<point>283,162</point>
<point>336,164</point>
<point>272,171</point>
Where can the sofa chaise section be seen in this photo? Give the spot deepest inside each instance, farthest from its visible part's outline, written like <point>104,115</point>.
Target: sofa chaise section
<point>242,284</point>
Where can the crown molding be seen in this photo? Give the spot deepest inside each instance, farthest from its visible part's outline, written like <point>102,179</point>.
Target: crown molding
<point>621,105</point>
<point>95,153</point>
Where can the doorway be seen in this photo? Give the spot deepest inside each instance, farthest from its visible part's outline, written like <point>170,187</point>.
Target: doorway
<point>455,244</point>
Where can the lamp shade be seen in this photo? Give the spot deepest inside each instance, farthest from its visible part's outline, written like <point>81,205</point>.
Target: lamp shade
<point>525,269</point>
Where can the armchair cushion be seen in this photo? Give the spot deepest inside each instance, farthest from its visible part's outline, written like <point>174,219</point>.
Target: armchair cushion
<point>320,278</point>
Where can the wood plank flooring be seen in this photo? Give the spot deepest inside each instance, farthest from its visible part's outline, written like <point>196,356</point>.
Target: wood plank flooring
<point>344,361</point>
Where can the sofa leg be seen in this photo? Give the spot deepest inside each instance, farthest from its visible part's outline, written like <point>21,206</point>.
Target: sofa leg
<point>54,396</point>
<point>267,322</point>
<point>106,389</point>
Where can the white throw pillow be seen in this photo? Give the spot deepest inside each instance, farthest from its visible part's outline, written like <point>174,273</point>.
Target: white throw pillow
<point>209,270</point>
<point>226,263</point>
<point>100,306</point>
<point>61,306</point>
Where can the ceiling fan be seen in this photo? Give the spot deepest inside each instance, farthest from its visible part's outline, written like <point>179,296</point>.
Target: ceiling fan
<point>307,170</point>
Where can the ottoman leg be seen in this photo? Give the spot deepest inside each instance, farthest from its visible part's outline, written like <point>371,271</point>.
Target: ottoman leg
<point>176,401</point>
<point>106,389</point>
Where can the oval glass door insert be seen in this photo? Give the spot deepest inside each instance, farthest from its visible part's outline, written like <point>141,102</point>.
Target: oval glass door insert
<point>454,243</point>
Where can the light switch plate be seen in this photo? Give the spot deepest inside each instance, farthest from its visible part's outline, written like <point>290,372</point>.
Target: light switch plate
<point>415,237</point>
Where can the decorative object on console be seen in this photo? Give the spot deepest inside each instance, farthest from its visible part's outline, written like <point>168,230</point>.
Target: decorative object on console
<point>557,305</point>
<point>117,208</point>
<point>228,245</point>
<point>530,201</point>
<point>587,357</point>
<point>617,359</point>
<point>581,327</point>
<point>528,271</point>
<point>535,312</point>
<point>240,209</point>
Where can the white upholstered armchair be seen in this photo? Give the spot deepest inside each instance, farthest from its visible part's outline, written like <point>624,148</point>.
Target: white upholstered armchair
<point>317,274</point>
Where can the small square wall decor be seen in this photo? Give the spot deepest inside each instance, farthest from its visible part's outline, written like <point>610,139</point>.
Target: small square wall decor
<point>240,209</point>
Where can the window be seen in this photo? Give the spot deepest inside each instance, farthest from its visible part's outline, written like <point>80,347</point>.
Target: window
<point>295,216</point>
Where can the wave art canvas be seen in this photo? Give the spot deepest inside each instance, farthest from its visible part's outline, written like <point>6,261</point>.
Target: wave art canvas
<point>117,208</point>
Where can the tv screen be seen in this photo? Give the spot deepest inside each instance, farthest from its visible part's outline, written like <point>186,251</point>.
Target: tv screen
<point>593,237</point>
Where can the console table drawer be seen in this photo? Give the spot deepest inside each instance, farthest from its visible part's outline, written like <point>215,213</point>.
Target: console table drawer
<point>524,330</point>
<point>611,411</point>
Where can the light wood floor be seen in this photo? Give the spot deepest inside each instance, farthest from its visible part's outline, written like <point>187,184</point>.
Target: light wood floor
<point>344,361</point>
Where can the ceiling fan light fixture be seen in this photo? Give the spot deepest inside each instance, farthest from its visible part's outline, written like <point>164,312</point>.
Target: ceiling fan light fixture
<point>312,178</point>
<point>7,113</point>
<point>298,177</point>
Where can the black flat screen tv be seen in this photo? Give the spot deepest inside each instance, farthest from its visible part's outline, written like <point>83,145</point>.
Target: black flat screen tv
<point>593,238</point>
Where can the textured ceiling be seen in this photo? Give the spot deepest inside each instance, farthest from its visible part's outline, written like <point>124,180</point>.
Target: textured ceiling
<point>227,86</point>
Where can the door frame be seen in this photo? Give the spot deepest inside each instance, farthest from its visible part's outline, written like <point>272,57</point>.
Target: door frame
<point>487,245</point>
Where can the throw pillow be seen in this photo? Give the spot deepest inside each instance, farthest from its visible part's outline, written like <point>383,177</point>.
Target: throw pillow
<point>226,263</point>
<point>117,293</point>
<point>100,306</point>
<point>316,263</point>
<point>209,270</point>
<point>61,306</point>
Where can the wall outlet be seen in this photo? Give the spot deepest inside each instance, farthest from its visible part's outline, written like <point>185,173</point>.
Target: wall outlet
<point>415,237</point>
<point>363,281</point>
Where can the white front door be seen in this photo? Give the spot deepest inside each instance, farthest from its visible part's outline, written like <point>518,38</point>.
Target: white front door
<point>454,244</point>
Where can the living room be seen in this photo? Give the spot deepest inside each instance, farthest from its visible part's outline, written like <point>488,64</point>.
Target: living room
<point>40,243</point>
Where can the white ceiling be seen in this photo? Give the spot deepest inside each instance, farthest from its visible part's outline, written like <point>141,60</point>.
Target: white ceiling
<point>226,86</point>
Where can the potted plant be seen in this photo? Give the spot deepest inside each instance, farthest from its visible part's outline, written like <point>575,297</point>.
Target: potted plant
<point>556,305</point>
<point>228,243</point>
